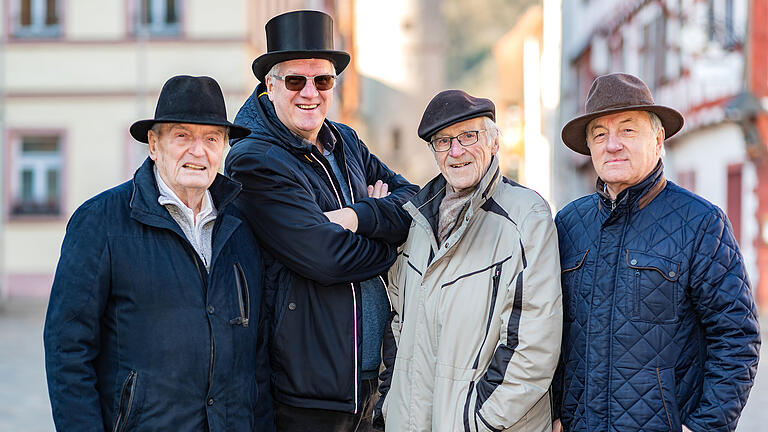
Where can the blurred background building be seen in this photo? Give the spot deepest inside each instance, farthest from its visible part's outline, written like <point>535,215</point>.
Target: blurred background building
<point>74,74</point>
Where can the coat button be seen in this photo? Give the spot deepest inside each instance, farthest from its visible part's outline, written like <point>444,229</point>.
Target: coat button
<point>633,262</point>
<point>671,274</point>
<point>211,309</point>
<point>210,401</point>
<point>292,306</point>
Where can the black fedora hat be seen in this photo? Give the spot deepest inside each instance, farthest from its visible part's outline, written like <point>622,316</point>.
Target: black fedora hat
<point>615,93</point>
<point>301,34</point>
<point>188,99</point>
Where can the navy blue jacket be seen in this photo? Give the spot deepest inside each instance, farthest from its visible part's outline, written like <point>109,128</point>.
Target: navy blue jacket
<point>661,326</point>
<point>313,266</point>
<point>139,336</point>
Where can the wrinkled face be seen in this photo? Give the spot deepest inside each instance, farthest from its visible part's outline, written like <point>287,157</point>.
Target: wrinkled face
<point>187,156</point>
<point>624,148</point>
<point>302,111</point>
<point>464,167</point>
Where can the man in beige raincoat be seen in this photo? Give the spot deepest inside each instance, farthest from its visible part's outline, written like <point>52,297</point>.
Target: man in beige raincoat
<point>477,313</point>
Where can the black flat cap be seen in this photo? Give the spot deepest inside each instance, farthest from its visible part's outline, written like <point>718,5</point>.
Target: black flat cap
<point>453,106</point>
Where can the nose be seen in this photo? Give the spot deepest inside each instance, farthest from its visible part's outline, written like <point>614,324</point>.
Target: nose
<point>196,148</point>
<point>309,90</point>
<point>456,149</point>
<point>614,143</point>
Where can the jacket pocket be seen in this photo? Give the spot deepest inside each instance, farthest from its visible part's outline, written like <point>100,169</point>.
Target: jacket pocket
<point>126,402</point>
<point>571,276</point>
<point>654,287</point>
<point>666,382</point>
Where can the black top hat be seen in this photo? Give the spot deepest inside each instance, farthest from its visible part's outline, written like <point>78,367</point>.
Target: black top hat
<point>615,93</point>
<point>188,99</point>
<point>299,34</point>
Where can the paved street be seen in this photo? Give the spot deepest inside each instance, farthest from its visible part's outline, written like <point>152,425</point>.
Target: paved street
<point>24,398</point>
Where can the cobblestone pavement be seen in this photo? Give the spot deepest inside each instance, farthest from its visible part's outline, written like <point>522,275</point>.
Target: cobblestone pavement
<point>24,405</point>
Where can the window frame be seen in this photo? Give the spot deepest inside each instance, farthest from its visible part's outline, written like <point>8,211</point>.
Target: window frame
<point>154,30</point>
<point>14,139</point>
<point>35,31</point>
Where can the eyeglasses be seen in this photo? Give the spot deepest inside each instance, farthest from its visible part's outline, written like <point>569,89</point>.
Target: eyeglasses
<point>295,82</point>
<point>466,139</point>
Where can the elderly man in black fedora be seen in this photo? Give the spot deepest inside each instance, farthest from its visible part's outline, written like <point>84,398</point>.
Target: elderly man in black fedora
<point>661,330</point>
<point>153,321</point>
<point>328,216</point>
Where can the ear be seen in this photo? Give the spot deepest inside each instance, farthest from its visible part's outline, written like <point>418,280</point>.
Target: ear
<point>660,135</point>
<point>270,87</point>
<point>495,145</point>
<point>152,139</point>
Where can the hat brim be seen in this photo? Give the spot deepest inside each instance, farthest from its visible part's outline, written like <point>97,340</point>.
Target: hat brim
<point>574,133</point>
<point>140,129</point>
<point>264,63</point>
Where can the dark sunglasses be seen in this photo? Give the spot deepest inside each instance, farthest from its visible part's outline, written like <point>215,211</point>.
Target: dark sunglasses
<point>297,82</point>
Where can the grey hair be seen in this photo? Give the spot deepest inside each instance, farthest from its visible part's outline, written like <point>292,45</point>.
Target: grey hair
<point>492,129</point>
<point>656,126</point>
<point>275,70</point>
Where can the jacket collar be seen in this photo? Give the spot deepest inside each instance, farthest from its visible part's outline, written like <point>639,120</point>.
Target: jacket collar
<point>640,194</point>
<point>424,207</point>
<point>146,209</point>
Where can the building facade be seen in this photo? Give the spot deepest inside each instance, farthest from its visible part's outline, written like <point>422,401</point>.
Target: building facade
<point>701,57</point>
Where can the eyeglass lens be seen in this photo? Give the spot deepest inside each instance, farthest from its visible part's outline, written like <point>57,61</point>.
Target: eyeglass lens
<point>297,82</point>
<point>464,138</point>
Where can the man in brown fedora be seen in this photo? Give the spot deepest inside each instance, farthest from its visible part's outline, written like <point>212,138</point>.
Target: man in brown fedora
<point>154,318</point>
<point>661,329</point>
<point>328,214</point>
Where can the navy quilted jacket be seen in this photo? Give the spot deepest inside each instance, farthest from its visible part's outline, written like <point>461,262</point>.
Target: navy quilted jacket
<point>660,325</point>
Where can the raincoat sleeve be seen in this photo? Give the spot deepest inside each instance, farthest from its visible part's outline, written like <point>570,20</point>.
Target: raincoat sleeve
<point>72,326</point>
<point>720,290</point>
<point>517,381</point>
<point>291,225</point>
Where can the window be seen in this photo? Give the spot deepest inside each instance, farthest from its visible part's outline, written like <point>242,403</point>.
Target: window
<point>157,17</point>
<point>36,18</point>
<point>654,51</point>
<point>721,22</point>
<point>36,185</point>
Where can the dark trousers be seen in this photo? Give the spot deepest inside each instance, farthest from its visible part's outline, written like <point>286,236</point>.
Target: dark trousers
<point>294,419</point>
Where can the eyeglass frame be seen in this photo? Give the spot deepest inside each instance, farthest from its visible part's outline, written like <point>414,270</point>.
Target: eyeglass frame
<point>306,79</point>
<point>477,132</point>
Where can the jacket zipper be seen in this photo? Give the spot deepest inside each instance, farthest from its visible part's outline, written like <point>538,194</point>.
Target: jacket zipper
<point>210,330</point>
<point>354,296</point>
<point>243,300</point>
<point>121,421</point>
<point>496,278</point>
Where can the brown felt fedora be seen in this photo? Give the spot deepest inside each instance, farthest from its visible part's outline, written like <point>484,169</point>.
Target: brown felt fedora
<point>614,93</point>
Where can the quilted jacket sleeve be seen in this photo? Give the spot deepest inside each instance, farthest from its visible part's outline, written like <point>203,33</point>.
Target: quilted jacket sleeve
<point>71,334</point>
<point>383,218</point>
<point>522,366</point>
<point>720,289</point>
<point>291,225</point>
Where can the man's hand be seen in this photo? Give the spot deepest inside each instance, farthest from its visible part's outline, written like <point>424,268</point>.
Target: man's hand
<point>378,190</point>
<point>558,427</point>
<point>346,217</point>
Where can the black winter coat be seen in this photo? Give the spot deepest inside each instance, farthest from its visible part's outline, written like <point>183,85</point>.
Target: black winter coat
<point>313,266</point>
<point>139,336</point>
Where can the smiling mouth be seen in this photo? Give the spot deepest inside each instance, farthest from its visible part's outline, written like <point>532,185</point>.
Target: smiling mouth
<point>307,107</point>
<point>460,165</point>
<point>194,166</point>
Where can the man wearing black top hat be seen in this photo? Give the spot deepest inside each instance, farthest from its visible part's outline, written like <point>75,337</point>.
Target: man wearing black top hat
<point>661,329</point>
<point>328,215</point>
<point>153,321</point>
